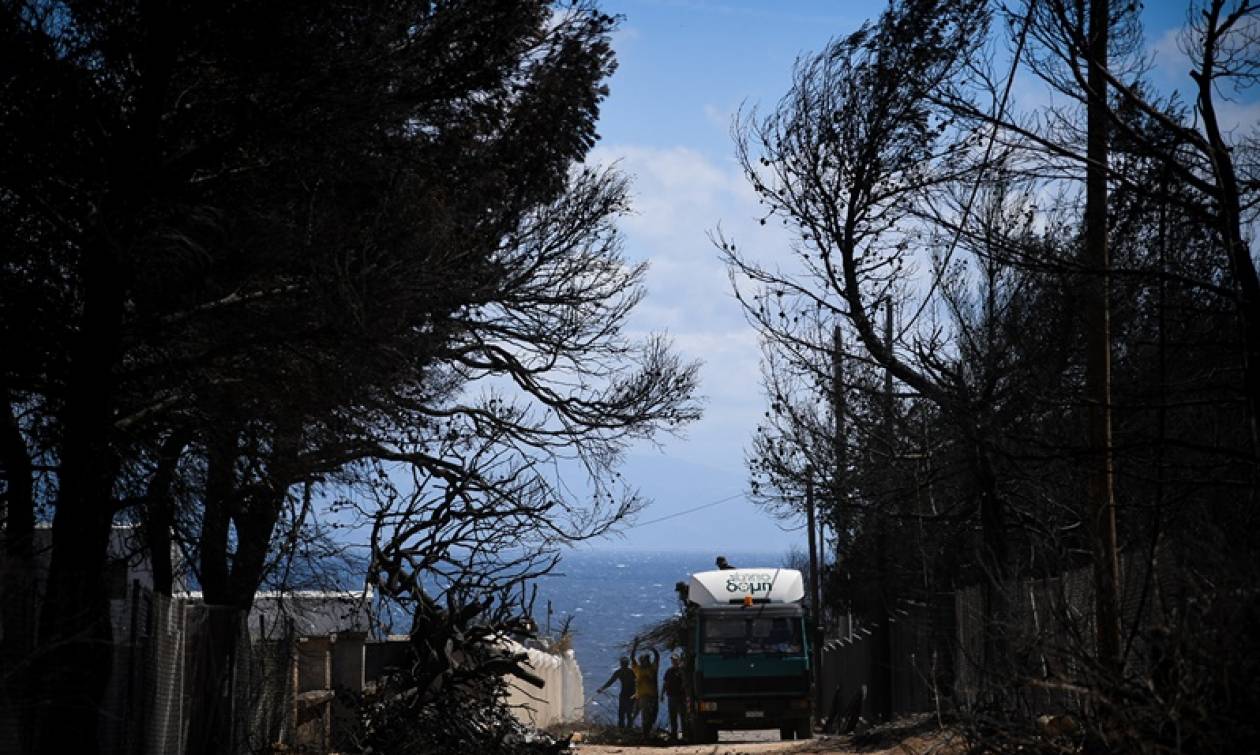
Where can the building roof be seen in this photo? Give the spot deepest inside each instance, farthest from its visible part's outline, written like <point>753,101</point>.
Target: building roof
<point>307,613</point>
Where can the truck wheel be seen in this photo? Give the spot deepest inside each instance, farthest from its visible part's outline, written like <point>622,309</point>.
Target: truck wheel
<point>706,734</point>
<point>787,733</point>
<point>804,730</point>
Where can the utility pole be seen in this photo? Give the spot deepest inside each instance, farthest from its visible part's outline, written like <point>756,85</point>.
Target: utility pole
<point>840,454</point>
<point>839,439</point>
<point>881,681</point>
<point>815,606</point>
<point>888,378</point>
<point>813,552</point>
<point>1097,315</point>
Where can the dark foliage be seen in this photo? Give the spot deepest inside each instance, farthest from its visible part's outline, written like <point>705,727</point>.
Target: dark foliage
<point>258,258</point>
<point>449,697</point>
<point>946,442</point>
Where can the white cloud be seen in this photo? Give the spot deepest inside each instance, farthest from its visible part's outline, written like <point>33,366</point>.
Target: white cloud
<point>1238,118</point>
<point>719,117</point>
<point>1169,61</point>
<point>731,362</point>
<point>1172,67</point>
<point>677,191</point>
<point>1237,110</point>
<point>679,197</point>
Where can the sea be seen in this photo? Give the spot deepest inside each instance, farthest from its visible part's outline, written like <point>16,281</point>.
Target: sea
<point>612,595</point>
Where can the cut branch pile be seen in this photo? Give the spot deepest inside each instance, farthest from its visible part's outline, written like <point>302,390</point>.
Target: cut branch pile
<point>451,698</point>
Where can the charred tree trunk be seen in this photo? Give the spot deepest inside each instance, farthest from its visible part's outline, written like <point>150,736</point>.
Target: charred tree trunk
<point>74,658</point>
<point>217,641</point>
<point>994,560</point>
<point>881,659</point>
<point>17,590</point>
<point>210,725</point>
<point>19,497</point>
<point>230,578</point>
<point>159,511</point>
<point>1229,213</point>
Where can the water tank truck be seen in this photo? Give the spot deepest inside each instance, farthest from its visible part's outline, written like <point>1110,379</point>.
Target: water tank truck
<point>748,652</point>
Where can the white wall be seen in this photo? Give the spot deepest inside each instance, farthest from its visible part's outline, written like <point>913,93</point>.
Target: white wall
<point>561,698</point>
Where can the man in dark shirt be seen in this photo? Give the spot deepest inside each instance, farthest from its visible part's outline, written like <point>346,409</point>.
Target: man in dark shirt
<point>625,695</point>
<point>722,563</point>
<point>673,687</point>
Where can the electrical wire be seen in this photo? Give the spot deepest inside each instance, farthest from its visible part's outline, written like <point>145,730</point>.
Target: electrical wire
<point>988,152</point>
<point>687,511</point>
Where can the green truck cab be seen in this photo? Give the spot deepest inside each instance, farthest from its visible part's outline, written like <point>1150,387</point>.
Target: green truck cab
<point>748,653</point>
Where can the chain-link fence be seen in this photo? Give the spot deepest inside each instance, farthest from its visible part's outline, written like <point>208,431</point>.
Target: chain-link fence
<point>903,665</point>
<point>187,677</point>
<point>148,705</point>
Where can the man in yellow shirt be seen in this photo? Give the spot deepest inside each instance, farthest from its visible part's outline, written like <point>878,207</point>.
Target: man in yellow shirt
<point>645,690</point>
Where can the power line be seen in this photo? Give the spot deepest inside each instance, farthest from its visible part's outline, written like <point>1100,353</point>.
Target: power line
<point>988,150</point>
<point>687,511</point>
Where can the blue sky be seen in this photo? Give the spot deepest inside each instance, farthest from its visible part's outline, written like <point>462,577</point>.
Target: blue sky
<point>685,66</point>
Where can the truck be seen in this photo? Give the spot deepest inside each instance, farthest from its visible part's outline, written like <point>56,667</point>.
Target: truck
<point>748,653</point>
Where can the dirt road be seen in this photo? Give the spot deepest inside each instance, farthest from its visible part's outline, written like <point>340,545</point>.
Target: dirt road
<point>729,744</point>
<point>757,742</point>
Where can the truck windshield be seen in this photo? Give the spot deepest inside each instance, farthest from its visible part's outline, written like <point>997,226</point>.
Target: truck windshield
<point>740,635</point>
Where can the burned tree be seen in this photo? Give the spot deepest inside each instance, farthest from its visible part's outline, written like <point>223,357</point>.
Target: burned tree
<point>971,223</point>
<point>260,250</point>
<point>857,159</point>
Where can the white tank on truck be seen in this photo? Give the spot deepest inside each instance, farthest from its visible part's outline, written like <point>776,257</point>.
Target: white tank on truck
<point>709,589</point>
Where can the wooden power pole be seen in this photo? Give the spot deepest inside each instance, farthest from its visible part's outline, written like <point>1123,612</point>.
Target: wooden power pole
<point>1097,316</point>
<point>815,607</point>
<point>839,439</point>
<point>882,674</point>
<point>841,517</point>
